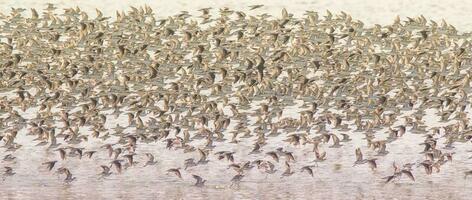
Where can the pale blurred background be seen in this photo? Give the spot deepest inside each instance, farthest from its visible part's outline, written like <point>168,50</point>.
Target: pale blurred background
<point>455,12</point>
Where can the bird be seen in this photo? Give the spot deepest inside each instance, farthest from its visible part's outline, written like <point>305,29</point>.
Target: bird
<point>359,157</point>
<point>273,155</point>
<point>150,160</point>
<point>50,164</point>
<point>253,7</point>
<point>372,163</point>
<point>308,169</point>
<point>189,163</point>
<point>130,159</point>
<point>200,182</point>
<point>408,173</point>
<point>389,178</point>
<point>117,165</point>
<point>89,154</point>
<point>256,148</point>
<point>62,153</point>
<point>336,141</point>
<point>467,173</point>
<point>69,178</point>
<point>105,171</point>
<point>288,171</point>
<point>320,156</point>
<point>175,171</point>
<point>346,137</point>
<point>9,157</point>
<point>428,167</point>
<point>203,157</point>
<point>236,180</point>
<point>8,172</point>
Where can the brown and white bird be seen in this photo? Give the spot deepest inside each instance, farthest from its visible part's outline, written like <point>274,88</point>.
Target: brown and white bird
<point>175,171</point>
<point>199,180</point>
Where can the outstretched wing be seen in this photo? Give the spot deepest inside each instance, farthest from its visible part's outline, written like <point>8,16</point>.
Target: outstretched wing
<point>358,154</point>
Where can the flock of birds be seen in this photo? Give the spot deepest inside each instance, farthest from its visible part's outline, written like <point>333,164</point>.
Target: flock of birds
<point>227,80</point>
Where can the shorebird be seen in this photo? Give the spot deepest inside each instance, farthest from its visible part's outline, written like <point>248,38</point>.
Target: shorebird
<point>50,164</point>
<point>200,182</point>
<point>288,171</point>
<point>8,172</point>
<point>130,159</point>
<point>105,171</point>
<point>336,141</point>
<point>467,173</point>
<point>69,178</point>
<point>89,154</point>
<point>274,155</point>
<point>360,160</point>
<point>320,156</point>
<point>62,153</point>
<point>308,169</point>
<point>203,157</point>
<point>150,160</point>
<point>399,172</point>
<point>189,163</point>
<point>236,180</point>
<point>175,171</point>
<point>372,163</point>
<point>225,154</point>
<point>117,165</point>
<point>359,157</point>
<point>253,7</point>
<point>9,157</point>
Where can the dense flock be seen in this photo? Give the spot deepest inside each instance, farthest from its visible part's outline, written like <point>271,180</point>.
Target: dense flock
<point>248,95</point>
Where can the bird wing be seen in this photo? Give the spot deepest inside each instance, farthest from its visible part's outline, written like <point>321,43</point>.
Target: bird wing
<point>203,155</point>
<point>130,159</point>
<point>198,178</point>
<point>271,165</point>
<point>409,174</point>
<point>372,163</point>
<point>255,7</point>
<point>68,174</point>
<point>358,154</point>
<point>150,156</point>
<point>62,153</point>
<point>117,164</point>
<point>106,169</point>
<point>389,178</point>
<point>256,147</point>
<point>322,155</point>
<point>176,172</point>
<point>335,139</point>
<point>326,137</point>
<point>290,156</point>
<point>308,169</point>
<point>345,136</point>
<point>383,147</point>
